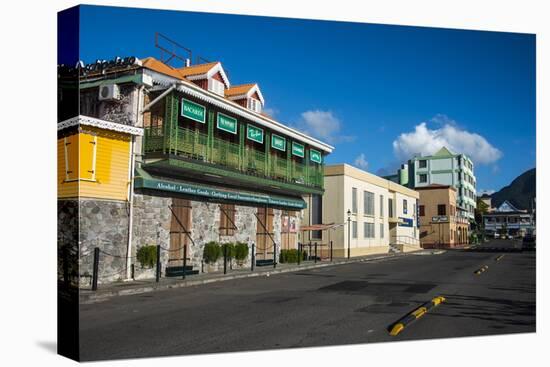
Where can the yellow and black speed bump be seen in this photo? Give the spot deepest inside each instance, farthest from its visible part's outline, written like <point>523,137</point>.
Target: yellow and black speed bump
<point>481,270</point>
<point>398,326</point>
<point>499,257</point>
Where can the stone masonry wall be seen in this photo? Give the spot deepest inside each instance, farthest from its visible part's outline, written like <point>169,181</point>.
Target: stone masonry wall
<point>103,224</point>
<point>206,224</point>
<point>151,226</point>
<point>67,237</point>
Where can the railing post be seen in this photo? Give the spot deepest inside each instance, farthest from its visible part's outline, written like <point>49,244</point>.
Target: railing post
<point>158,264</point>
<point>95,269</point>
<point>299,252</point>
<point>132,272</point>
<point>225,259</point>
<point>253,257</point>
<point>66,267</point>
<point>330,250</point>
<point>274,255</point>
<point>184,261</point>
<point>315,260</point>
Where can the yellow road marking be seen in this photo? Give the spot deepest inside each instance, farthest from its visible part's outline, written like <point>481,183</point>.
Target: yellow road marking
<point>396,329</point>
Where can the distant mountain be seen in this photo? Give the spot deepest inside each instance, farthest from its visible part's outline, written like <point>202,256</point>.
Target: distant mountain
<point>520,192</point>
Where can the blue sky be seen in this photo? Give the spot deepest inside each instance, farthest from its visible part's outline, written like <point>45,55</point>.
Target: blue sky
<point>377,93</point>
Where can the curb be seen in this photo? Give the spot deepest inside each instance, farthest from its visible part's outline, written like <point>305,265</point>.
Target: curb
<point>90,297</point>
<point>401,324</point>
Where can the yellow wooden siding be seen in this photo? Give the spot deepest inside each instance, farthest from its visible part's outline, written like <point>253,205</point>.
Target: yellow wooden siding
<point>109,178</point>
<point>64,189</point>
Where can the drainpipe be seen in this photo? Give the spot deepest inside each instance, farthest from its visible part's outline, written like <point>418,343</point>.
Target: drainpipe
<point>130,211</point>
<point>131,189</point>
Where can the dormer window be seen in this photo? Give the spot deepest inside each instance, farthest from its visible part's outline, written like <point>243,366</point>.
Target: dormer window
<point>216,86</point>
<point>254,105</point>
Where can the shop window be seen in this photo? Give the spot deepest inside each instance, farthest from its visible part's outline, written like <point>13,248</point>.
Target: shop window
<point>441,209</point>
<point>227,220</point>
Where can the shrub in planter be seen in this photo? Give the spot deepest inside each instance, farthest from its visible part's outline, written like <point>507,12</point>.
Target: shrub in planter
<point>241,251</point>
<point>230,250</point>
<point>289,256</point>
<point>212,252</point>
<point>147,256</point>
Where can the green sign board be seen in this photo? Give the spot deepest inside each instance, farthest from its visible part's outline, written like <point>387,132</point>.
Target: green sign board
<point>217,194</point>
<point>315,156</point>
<point>193,111</point>
<point>255,134</point>
<point>297,149</point>
<point>227,123</point>
<point>278,142</point>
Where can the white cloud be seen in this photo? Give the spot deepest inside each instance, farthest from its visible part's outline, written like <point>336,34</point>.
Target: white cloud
<point>428,141</point>
<point>361,162</point>
<point>322,125</point>
<point>270,111</point>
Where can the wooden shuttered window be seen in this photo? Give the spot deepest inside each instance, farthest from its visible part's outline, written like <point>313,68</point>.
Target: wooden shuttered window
<point>80,157</point>
<point>264,245</point>
<point>71,157</point>
<point>227,219</point>
<point>87,160</point>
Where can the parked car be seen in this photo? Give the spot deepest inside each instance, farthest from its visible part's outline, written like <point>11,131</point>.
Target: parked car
<point>529,242</point>
<point>497,235</point>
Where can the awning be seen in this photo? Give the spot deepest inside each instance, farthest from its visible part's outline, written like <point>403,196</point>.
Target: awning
<point>144,180</point>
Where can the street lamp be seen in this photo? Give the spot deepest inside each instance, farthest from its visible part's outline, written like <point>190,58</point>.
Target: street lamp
<point>349,232</point>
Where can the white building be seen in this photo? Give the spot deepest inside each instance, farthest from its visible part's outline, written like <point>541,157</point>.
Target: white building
<point>382,215</point>
<point>508,220</point>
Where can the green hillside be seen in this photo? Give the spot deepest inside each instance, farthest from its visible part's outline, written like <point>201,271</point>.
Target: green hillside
<point>520,192</point>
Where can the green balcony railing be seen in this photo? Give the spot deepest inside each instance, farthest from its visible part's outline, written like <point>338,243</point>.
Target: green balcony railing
<point>195,145</point>
<point>254,162</point>
<point>225,153</point>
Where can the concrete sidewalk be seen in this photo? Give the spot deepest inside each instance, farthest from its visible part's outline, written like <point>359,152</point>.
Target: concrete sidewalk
<point>106,291</point>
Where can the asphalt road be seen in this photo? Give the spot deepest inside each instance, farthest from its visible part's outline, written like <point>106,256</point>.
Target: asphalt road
<point>344,304</point>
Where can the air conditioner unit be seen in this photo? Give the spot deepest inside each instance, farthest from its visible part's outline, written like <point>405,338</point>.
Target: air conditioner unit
<point>109,92</point>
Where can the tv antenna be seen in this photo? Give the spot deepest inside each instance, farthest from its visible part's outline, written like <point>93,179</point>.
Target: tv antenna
<point>171,50</point>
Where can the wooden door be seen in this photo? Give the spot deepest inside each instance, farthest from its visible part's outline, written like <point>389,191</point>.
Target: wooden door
<point>288,230</point>
<point>264,233</point>
<point>180,230</point>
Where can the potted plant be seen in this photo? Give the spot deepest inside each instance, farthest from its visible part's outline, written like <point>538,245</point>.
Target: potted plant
<point>241,252</point>
<point>211,254</point>
<point>147,256</point>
